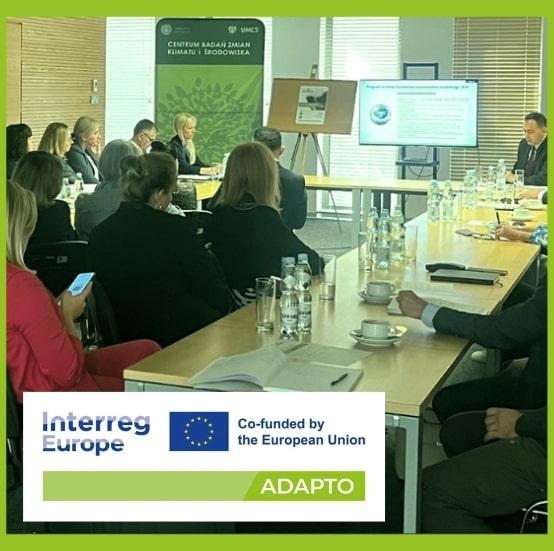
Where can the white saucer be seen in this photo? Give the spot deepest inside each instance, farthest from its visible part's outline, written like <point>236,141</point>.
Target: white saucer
<point>356,334</point>
<point>375,300</point>
<point>522,218</point>
<point>532,204</point>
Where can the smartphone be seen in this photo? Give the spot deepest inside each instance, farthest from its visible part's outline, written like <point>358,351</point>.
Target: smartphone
<point>80,282</point>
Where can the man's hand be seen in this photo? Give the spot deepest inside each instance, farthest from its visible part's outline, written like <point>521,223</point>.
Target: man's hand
<point>501,423</point>
<point>410,304</point>
<point>529,192</point>
<point>510,177</point>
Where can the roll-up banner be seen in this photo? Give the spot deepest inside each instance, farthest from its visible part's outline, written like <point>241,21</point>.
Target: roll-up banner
<point>212,69</point>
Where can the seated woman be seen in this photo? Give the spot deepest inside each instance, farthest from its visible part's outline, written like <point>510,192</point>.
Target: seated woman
<point>43,350</point>
<point>93,208</point>
<point>57,141</point>
<point>538,235</point>
<point>247,232</point>
<point>19,140</point>
<point>183,148</point>
<point>83,153</point>
<point>42,173</point>
<point>161,281</point>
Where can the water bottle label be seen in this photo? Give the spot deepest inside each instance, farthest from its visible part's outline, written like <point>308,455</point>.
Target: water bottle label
<point>289,281</point>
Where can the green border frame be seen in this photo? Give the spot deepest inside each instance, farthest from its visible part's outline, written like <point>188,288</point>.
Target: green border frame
<point>493,8</point>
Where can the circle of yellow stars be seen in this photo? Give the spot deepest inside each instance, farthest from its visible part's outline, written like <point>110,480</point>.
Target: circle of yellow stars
<point>191,423</point>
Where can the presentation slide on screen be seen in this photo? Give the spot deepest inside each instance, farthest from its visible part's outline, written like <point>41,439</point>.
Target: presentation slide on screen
<point>418,112</point>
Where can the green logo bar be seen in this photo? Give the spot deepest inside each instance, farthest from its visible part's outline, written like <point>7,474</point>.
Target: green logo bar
<point>203,486</point>
<point>307,486</point>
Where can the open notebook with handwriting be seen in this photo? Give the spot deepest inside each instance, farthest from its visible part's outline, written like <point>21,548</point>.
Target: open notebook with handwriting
<point>282,367</point>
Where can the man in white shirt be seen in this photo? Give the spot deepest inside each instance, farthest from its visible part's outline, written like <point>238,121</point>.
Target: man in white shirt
<point>144,134</point>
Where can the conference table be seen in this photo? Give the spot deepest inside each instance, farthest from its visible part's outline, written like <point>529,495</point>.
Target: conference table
<point>362,190</point>
<point>410,371</point>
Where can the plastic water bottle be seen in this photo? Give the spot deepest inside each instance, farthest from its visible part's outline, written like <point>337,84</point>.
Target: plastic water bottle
<point>304,293</point>
<point>490,185</point>
<point>433,202</point>
<point>397,235</point>
<point>371,227</point>
<point>289,300</point>
<point>303,273</point>
<point>500,187</point>
<point>65,192</point>
<point>382,247</point>
<point>447,204</point>
<point>224,163</point>
<point>470,190</point>
<point>79,184</point>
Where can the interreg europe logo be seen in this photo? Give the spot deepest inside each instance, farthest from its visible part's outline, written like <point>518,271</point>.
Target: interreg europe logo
<point>205,431</point>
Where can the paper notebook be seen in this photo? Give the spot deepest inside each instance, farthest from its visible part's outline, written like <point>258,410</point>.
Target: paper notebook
<point>284,367</point>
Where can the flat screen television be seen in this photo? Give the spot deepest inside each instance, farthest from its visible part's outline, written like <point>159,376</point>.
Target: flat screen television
<point>436,113</point>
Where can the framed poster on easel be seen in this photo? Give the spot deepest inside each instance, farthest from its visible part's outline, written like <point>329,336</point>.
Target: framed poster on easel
<point>310,107</point>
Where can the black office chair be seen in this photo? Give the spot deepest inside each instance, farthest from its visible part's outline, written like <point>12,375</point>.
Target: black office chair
<point>14,434</point>
<point>185,196</point>
<point>535,518</point>
<point>200,219</point>
<point>98,324</point>
<point>57,263</point>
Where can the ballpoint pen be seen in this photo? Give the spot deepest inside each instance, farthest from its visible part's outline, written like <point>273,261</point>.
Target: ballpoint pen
<point>341,378</point>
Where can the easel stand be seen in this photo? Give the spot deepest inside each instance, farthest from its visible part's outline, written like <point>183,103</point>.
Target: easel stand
<point>301,143</point>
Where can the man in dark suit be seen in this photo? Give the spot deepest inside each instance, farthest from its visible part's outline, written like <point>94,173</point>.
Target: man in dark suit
<point>532,150</point>
<point>294,200</point>
<point>480,481</point>
<point>520,330</point>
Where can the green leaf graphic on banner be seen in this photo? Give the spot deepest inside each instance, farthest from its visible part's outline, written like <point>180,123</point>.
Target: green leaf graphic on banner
<point>226,100</point>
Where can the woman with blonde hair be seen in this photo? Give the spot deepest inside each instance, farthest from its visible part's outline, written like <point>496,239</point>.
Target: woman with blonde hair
<point>57,141</point>
<point>247,232</point>
<point>183,148</point>
<point>43,349</point>
<point>42,174</point>
<point>83,153</point>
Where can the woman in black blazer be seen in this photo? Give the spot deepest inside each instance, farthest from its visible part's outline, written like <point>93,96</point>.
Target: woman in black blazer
<point>183,148</point>
<point>162,282</point>
<point>247,232</point>
<point>42,173</point>
<point>83,154</point>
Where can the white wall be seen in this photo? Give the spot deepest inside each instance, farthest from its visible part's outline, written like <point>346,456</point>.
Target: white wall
<point>427,40</point>
<point>295,50</point>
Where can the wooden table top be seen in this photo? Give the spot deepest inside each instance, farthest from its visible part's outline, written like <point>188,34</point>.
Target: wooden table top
<point>407,372</point>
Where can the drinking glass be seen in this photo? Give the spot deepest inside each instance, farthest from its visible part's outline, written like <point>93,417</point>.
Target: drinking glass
<point>410,242</point>
<point>265,304</point>
<point>327,277</point>
<point>365,251</point>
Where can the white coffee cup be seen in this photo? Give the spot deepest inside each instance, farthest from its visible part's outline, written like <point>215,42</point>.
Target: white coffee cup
<point>379,289</point>
<point>376,329</point>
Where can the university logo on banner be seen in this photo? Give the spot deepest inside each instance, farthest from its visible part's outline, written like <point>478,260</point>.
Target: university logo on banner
<point>205,431</point>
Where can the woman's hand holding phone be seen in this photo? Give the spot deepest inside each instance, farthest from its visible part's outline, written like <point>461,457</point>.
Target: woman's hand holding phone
<point>74,305</point>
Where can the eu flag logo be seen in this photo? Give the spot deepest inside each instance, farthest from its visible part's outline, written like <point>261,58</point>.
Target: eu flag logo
<point>199,431</point>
